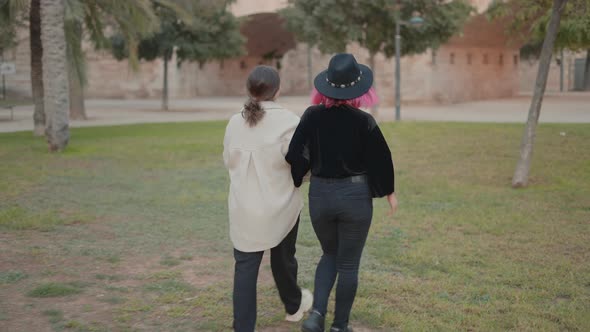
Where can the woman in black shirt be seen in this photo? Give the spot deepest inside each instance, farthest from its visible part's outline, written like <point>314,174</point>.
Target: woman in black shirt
<point>350,164</point>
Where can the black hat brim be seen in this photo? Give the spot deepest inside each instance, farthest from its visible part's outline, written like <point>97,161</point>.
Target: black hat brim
<point>352,92</point>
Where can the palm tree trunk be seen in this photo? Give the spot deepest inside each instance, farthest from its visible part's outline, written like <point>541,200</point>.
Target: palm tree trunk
<point>55,74</point>
<point>37,66</point>
<point>165,89</point>
<point>77,107</point>
<point>521,174</point>
<point>374,108</point>
<point>587,72</point>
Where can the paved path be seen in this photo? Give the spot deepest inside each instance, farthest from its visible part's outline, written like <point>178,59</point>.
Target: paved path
<point>562,108</point>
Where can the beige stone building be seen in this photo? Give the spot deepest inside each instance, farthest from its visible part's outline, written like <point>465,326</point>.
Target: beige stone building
<point>480,63</point>
<point>570,75</point>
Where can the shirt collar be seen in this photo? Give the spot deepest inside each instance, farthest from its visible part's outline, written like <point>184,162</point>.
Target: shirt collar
<point>270,105</point>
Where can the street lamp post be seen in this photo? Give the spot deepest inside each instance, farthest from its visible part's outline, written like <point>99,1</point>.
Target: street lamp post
<point>416,20</point>
<point>398,76</point>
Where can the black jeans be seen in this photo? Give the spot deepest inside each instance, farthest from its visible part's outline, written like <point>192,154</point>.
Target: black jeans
<point>341,214</point>
<point>284,270</point>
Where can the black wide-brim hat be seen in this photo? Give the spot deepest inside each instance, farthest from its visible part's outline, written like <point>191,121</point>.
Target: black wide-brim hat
<point>344,79</point>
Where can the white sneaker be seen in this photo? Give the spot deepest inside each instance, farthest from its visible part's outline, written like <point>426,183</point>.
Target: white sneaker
<point>306,303</point>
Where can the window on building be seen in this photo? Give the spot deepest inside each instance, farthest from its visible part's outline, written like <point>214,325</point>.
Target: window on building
<point>516,59</point>
<point>243,64</point>
<point>469,58</point>
<point>486,59</point>
<point>501,61</point>
<point>452,58</point>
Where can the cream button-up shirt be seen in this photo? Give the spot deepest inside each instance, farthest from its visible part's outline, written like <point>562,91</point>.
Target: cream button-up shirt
<point>263,202</point>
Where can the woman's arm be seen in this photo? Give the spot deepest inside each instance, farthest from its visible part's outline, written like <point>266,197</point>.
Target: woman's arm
<point>392,200</point>
<point>298,154</point>
<point>379,164</point>
<point>380,168</point>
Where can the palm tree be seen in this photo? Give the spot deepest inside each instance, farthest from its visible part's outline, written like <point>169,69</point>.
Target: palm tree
<point>135,19</point>
<point>55,71</point>
<point>36,66</point>
<point>10,11</point>
<point>76,69</point>
<point>10,14</point>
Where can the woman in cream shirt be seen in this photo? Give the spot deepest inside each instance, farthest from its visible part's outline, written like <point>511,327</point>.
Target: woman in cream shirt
<point>264,204</point>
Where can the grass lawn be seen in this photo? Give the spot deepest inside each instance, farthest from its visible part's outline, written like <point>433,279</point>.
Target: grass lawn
<point>127,231</point>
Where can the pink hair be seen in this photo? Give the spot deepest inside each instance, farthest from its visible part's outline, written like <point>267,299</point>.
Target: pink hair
<point>367,100</point>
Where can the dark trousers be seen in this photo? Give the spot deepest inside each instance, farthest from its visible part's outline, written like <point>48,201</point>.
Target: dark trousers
<point>341,214</point>
<point>284,270</point>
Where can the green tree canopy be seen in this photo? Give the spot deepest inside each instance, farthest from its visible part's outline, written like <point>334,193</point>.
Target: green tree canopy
<point>212,33</point>
<point>11,15</point>
<point>332,24</point>
<point>95,20</point>
<point>530,19</point>
<point>133,19</point>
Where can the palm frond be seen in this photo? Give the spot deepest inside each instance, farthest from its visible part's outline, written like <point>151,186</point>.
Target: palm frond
<point>135,19</point>
<point>75,53</point>
<point>183,9</point>
<point>74,10</point>
<point>95,28</point>
<point>11,9</point>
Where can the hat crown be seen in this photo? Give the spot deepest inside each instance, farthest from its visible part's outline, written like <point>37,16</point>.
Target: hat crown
<point>344,79</point>
<point>343,70</point>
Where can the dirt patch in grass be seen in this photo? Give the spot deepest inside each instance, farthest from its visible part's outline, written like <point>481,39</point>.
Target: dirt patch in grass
<point>292,327</point>
<point>136,291</point>
<point>39,314</point>
<point>95,294</point>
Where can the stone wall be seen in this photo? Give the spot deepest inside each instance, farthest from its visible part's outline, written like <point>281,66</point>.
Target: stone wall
<point>446,78</point>
<point>481,5</point>
<point>249,7</point>
<point>529,69</point>
<point>479,64</point>
<point>474,73</point>
<point>109,78</point>
<point>19,85</point>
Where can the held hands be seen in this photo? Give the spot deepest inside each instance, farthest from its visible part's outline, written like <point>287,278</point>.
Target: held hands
<point>392,200</point>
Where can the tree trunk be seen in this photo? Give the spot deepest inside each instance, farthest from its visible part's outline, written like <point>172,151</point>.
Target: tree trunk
<point>374,108</point>
<point>587,72</point>
<point>521,173</point>
<point>55,74</point>
<point>561,70</point>
<point>37,66</point>
<point>165,89</point>
<point>77,107</point>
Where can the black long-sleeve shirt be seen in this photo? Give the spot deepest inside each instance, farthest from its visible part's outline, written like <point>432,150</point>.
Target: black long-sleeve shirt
<point>338,142</point>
